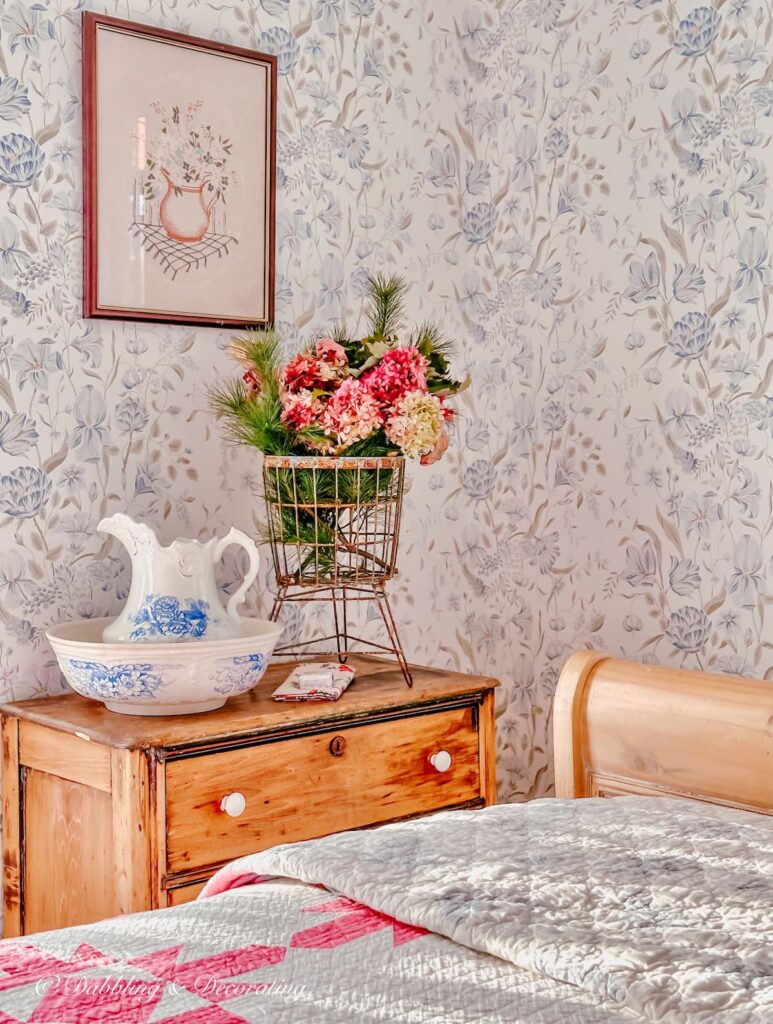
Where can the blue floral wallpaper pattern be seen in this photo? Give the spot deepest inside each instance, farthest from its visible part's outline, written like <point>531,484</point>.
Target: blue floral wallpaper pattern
<point>578,189</point>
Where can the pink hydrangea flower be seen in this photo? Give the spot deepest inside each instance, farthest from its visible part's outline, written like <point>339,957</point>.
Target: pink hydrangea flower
<point>351,414</point>
<point>302,373</point>
<point>329,351</point>
<point>317,370</point>
<point>400,371</point>
<point>301,410</point>
<point>251,382</point>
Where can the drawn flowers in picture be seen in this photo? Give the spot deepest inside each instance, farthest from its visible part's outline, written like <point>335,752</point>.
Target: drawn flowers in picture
<point>189,157</point>
<point>181,200</point>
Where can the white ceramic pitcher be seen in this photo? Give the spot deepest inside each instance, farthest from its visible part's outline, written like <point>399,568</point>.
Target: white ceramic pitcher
<point>174,595</point>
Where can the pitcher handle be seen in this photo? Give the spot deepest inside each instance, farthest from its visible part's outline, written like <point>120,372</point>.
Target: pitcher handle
<point>235,536</point>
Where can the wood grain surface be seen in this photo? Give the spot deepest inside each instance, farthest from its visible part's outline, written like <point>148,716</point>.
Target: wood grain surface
<point>379,687</point>
<point>300,788</point>
<point>622,727</point>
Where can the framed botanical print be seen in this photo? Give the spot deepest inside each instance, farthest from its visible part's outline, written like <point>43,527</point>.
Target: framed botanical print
<point>179,177</point>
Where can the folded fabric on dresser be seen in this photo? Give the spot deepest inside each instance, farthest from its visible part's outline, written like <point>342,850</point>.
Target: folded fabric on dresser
<point>662,907</point>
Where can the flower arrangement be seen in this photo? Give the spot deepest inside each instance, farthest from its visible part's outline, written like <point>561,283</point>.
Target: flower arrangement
<point>345,396</point>
<point>378,397</point>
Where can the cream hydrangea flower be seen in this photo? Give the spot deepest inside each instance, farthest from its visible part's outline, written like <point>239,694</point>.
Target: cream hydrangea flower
<point>416,424</point>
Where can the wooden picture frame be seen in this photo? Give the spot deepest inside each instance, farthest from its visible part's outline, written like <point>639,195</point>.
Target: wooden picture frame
<point>179,163</point>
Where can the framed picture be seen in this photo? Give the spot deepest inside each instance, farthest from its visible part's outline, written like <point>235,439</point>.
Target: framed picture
<point>179,177</point>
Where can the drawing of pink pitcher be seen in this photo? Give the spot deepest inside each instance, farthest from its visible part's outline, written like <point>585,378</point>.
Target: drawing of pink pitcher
<point>184,213</point>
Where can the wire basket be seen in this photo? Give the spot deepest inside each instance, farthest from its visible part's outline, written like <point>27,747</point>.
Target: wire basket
<point>333,521</point>
<point>333,527</point>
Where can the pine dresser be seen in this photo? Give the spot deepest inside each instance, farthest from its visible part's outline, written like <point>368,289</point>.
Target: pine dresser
<point>106,814</point>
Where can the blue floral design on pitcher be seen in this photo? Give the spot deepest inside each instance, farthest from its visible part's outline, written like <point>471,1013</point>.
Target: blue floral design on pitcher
<point>164,615</point>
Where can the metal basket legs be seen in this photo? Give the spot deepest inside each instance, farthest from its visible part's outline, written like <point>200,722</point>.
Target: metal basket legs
<point>333,527</point>
<point>341,598</point>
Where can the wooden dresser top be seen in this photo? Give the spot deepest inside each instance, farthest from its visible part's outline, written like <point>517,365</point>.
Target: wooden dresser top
<point>379,687</point>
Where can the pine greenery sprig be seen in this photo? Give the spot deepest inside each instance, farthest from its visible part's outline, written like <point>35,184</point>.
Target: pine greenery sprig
<point>252,420</point>
<point>386,307</point>
<point>255,418</point>
<point>429,340</point>
<point>260,353</point>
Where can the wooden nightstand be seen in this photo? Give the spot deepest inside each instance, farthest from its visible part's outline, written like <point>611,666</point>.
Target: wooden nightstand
<point>106,814</point>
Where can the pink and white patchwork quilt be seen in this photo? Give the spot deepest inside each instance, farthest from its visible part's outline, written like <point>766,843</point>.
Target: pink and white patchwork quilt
<point>554,912</point>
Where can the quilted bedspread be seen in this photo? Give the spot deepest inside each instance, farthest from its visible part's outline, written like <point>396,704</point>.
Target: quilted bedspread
<point>584,912</point>
<point>661,907</point>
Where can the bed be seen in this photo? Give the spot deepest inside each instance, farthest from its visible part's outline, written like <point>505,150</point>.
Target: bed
<point>654,906</point>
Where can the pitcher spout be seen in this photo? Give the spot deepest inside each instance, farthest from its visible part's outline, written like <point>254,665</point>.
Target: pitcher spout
<point>132,535</point>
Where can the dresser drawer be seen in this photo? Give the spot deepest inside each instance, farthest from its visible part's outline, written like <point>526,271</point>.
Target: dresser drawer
<point>180,894</point>
<point>309,786</point>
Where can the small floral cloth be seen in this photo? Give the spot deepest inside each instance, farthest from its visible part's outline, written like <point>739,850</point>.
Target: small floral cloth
<point>318,680</point>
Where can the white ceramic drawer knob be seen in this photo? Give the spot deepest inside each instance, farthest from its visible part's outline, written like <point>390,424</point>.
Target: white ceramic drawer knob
<point>233,804</point>
<point>441,760</point>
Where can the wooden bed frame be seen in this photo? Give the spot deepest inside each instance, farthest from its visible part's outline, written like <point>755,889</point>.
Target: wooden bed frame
<point>622,728</point>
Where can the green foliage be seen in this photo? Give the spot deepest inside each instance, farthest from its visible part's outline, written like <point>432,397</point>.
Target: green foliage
<point>386,306</point>
<point>430,342</point>
<point>305,511</point>
<point>254,418</point>
<point>260,352</point>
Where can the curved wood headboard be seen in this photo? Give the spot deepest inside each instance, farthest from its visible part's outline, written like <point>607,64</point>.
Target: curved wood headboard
<point>620,727</point>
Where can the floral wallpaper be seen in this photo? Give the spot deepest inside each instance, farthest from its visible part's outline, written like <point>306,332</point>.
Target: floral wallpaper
<point>578,189</point>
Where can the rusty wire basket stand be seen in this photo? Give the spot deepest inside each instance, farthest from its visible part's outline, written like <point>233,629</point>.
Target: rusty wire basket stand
<point>333,527</point>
